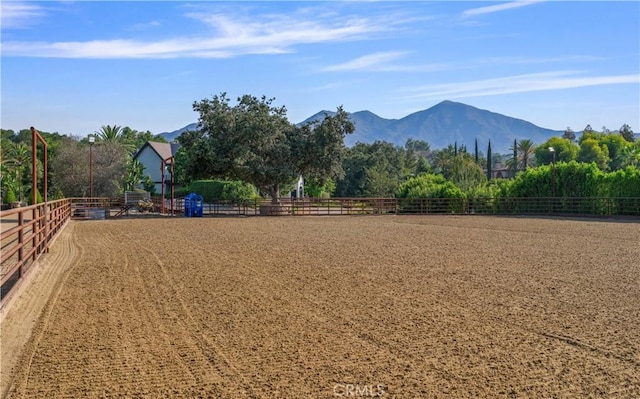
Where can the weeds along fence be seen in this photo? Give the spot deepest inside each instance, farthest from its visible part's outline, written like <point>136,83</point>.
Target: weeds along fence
<point>26,234</point>
<point>604,206</point>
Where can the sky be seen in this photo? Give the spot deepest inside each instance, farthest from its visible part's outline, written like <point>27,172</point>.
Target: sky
<point>73,66</point>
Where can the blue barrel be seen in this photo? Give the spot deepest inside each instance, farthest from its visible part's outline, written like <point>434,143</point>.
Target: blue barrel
<point>193,205</point>
<point>188,205</point>
<point>197,205</point>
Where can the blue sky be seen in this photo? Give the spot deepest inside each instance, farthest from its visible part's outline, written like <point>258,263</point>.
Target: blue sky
<point>73,66</point>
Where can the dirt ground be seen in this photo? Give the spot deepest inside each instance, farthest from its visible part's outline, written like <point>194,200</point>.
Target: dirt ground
<point>313,307</point>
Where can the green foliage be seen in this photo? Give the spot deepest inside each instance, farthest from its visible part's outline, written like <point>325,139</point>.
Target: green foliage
<point>422,166</point>
<point>466,174</point>
<point>630,155</point>
<point>484,198</point>
<point>16,162</point>
<point>572,179</point>
<point>137,139</point>
<point>212,190</point>
<point>431,186</point>
<point>616,148</point>
<point>624,186</point>
<point>148,185</point>
<point>313,188</point>
<point>117,134</point>
<point>592,151</point>
<point>566,151</point>
<point>237,192</point>
<point>9,196</point>
<point>209,189</point>
<point>38,197</point>
<point>374,170</point>
<point>489,161</point>
<point>57,195</point>
<point>569,134</point>
<point>135,171</point>
<point>523,155</point>
<point>609,151</point>
<point>417,145</point>
<point>623,182</point>
<point>442,160</point>
<point>627,133</point>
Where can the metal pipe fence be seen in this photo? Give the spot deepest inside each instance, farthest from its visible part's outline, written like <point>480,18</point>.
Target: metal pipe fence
<point>25,235</point>
<point>601,206</point>
<point>27,231</point>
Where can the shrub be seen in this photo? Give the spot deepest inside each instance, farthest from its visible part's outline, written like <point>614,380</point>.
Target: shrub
<point>232,190</point>
<point>10,196</point>
<point>449,197</point>
<point>38,197</point>
<point>149,185</point>
<point>57,195</point>
<point>238,192</point>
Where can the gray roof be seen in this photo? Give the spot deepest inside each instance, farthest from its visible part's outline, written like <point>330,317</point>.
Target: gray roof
<point>164,150</point>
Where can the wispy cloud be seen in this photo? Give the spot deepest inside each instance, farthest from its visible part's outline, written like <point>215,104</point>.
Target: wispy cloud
<point>367,62</point>
<point>544,81</point>
<point>233,36</point>
<point>20,15</point>
<point>498,7</point>
<point>384,62</point>
<point>521,60</point>
<point>144,26</point>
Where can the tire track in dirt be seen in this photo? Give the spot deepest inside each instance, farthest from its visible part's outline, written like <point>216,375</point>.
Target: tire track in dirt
<point>208,355</point>
<point>290,307</point>
<point>360,340</point>
<point>71,249</point>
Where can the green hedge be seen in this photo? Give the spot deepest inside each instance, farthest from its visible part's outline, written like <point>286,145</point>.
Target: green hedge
<point>228,190</point>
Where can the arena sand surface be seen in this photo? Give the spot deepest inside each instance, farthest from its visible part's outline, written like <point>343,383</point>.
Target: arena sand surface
<point>313,307</point>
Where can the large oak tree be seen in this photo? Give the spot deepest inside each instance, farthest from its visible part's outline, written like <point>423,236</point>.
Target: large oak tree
<point>254,142</point>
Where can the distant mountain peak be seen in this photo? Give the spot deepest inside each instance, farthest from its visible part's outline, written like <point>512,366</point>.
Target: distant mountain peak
<point>443,124</point>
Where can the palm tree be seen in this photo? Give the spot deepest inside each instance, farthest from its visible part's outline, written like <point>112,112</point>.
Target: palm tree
<point>17,157</point>
<point>523,155</point>
<point>115,134</point>
<point>526,150</point>
<point>109,133</point>
<point>630,156</point>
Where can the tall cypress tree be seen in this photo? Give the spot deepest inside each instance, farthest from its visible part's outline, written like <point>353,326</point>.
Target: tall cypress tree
<point>455,149</point>
<point>476,151</point>
<point>489,163</point>
<point>515,157</point>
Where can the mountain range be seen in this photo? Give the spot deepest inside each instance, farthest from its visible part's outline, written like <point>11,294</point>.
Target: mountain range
<point>441,125</point>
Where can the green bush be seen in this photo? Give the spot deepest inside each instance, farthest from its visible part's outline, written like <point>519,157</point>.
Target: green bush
<point>486,198</point>
<point>38,197</point>
<point>10,196</point>
<point>209,189</point>
<point>624,186</point>
<point>238,192</point>
<point>149,185</point>
<point>448,197</point>
<point>57,195</point>
<point>230,190</point>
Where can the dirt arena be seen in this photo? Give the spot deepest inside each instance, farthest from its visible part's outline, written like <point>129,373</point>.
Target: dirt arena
<point>324,307</point>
